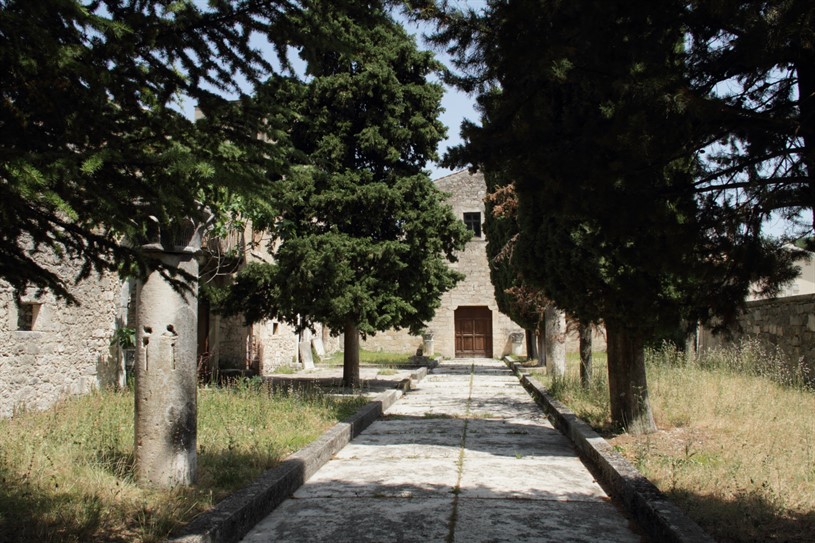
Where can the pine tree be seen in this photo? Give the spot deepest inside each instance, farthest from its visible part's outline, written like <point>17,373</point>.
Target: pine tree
<point>360,232</point>
<point>93,147</point>
<point>753,70</point>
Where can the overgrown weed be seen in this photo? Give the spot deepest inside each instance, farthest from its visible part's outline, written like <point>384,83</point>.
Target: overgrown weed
<point>67,475</point>
<point>736,446</point>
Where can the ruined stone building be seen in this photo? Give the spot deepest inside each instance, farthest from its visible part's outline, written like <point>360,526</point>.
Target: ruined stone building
<point>227,343</point>
<point>468,323</point>
<point>50,349</point>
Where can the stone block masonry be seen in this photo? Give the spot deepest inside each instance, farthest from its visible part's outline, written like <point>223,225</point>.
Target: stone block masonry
<point>49,349</point>
<point>786,323</point>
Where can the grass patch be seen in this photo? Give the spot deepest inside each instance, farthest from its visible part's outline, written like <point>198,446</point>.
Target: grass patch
<point>370,357</point>
<point>736,445</point>
<point>66,475</point>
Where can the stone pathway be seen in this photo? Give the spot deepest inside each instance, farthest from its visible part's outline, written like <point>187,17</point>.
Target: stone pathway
<point>468,457</point>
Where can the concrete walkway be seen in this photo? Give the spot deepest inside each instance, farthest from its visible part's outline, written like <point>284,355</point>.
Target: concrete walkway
<point>468,457</point>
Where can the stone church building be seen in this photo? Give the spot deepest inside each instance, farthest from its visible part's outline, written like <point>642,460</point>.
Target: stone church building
<point>468,323</point>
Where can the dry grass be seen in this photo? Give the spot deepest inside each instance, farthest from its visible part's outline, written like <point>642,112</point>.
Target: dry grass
<point>736,449</point>
<point>66,475</point>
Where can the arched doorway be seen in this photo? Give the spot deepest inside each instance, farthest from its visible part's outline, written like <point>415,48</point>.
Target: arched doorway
<point>473,332</point>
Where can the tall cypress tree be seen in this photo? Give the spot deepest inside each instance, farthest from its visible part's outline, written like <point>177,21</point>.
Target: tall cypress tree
<point>587,114</point>
<point>523,303</point>
<point>361,234</point>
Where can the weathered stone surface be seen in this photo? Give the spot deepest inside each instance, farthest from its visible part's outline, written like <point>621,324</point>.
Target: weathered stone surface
<point>540,521</point>
<point>786,323</point>
<point>305,355</point>
<point>396,519</point>
<point>68,352</point>
<point>655,514</point>
<point>511,478</point>
<point>319,348</point>
<point>166,377</point>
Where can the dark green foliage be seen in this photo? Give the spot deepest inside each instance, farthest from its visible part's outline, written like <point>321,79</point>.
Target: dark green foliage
<point>752,63</point>
<point>361,235</point>
<point>93,149</point>
<point>590,117</point>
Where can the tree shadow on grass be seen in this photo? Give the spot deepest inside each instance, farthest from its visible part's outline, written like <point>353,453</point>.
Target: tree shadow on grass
<point>30,513</point>
<point>330,385</point>
<point>749,517</point>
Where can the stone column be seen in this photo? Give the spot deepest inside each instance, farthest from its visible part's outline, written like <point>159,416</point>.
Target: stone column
<point>428,348</point>
<point>517,342</point>
<point>304,347</point>
<point>166,366</point>
<point>555,343</point>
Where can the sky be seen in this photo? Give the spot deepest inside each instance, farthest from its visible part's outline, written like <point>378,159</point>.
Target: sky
<point>457,105</point>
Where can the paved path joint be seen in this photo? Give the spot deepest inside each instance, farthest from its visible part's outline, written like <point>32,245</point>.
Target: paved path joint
<point>465,457</point>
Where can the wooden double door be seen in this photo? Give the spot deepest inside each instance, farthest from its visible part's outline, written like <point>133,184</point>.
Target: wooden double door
<point>473,332</point>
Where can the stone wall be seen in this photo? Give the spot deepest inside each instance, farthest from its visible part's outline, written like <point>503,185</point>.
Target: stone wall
<point>233,343</point>
<point>788,323</point>
<point>69,348</point>
<point>275,344</point>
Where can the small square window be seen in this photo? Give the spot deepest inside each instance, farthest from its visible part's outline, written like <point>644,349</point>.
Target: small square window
<point>473,221</point>
<point>27,314</point>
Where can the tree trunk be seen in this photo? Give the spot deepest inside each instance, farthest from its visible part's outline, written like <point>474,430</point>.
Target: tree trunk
<point>350,357</point>
<point>555,320</point>
<point>627,384</point>
<point>585,355</point>
<point>531,345</point>
<point>540,335</point>
<point>691,342</point>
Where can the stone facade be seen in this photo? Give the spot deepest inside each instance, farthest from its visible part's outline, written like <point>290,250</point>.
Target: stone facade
<point>71,349</point>
<point>227,342</point>
<point>466,196</point>
<point>50,350</point>
<point>787,323</point>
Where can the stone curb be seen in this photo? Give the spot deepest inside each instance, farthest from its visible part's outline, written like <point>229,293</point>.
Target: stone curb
<point>662,520</point>
<point>233,517</point>
<point>432,363</point>
<point>411,382</point>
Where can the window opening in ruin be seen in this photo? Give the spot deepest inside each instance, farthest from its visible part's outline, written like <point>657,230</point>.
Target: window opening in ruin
<point>27,313</point>
<point>473,221</point>
<point>274,329</point>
